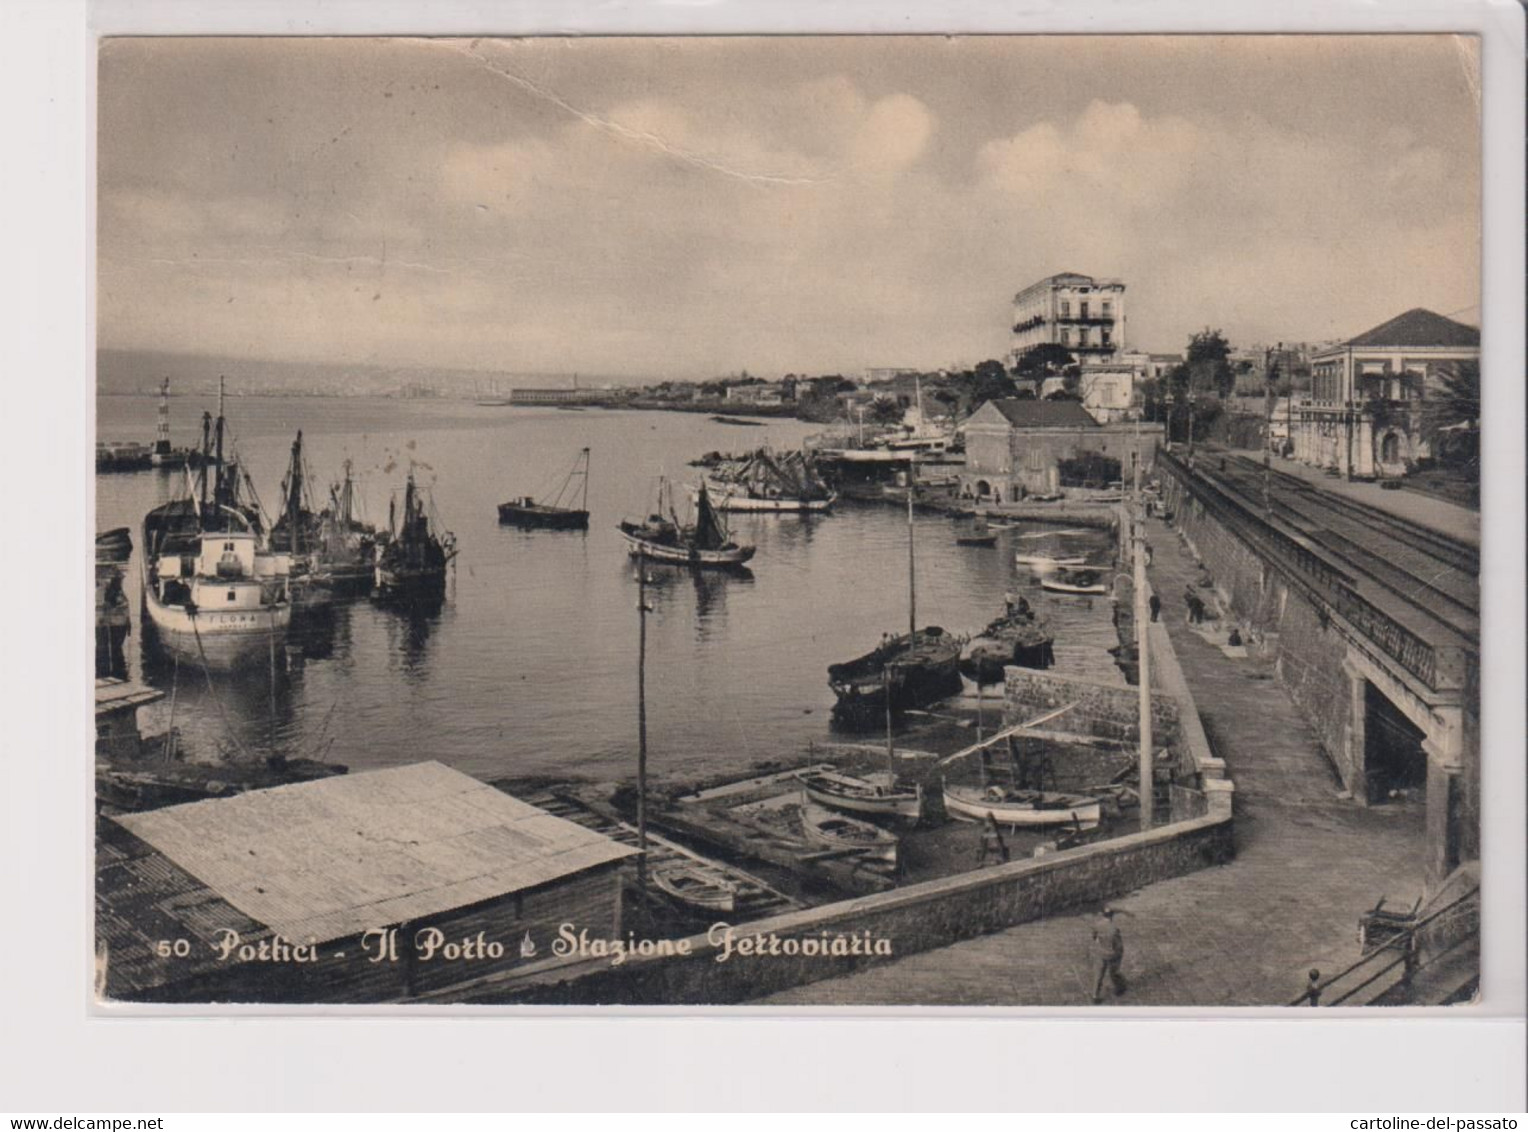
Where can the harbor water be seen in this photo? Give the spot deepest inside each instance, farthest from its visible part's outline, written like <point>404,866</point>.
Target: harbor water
<point>530,666</point>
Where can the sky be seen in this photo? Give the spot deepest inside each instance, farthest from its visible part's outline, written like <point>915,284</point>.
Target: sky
<point>694,207</point>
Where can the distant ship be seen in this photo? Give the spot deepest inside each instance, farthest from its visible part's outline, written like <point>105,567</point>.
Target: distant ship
<point>549,513</point>
<point>705,542</point>
<point>411,566</point>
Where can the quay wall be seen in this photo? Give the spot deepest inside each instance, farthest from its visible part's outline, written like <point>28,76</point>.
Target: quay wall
<point>1308,650</point>
<point>1109,711</point>
<point>917,918</point>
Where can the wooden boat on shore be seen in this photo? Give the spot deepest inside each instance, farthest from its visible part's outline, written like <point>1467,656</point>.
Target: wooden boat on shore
<point>1019,808</point>
<point>1074,582</point>
<point>704,543</point>
<point>550,514</point>
<point>978,534</point>
<point>695,886</point>
<point>832,830</point>
<point>877,797</point>
<point>115,545</point>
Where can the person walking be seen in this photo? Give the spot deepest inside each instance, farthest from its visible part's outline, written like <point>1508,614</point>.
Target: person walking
<point>1108,953</point>
<point>1156,606</point>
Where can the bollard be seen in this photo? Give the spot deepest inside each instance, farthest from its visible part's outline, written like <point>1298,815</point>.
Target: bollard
<point>1312,989</point>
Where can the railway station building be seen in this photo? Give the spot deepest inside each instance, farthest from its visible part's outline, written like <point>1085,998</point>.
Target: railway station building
<point>1368,415</point>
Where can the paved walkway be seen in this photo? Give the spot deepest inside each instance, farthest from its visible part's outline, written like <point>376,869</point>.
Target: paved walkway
<point>1427,510</point>
<point>1243,934</point>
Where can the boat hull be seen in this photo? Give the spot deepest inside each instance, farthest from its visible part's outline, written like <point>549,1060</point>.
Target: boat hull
<point>830,790</point>
<point>543,519</point>
<point>976,540</point>
<point>219,640</point>
<point>969,804</point>
<point>832,830</point>
<point>864,693</point>
<point>726,497</point>
<point>1045,562</point>
<point>685,556</point>
<point>410,587</point>
<point>1058,587</point>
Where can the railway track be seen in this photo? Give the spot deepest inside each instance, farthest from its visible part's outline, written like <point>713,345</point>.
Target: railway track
<point>1430,572</point>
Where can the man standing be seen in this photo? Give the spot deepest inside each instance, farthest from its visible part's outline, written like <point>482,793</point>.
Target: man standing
<point>1156,606</point>
<point>1108,953</point>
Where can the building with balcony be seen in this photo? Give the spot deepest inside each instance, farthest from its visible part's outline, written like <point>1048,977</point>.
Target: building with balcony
<point>1367,414</point>
<point>1077,312</point>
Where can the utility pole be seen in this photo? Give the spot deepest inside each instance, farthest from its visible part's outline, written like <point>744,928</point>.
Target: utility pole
<point>1143,654</point>
<point>1270,375</point>
<point>642,610</point>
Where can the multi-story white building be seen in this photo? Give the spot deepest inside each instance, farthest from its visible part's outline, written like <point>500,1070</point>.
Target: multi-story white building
<point>1077,312</point>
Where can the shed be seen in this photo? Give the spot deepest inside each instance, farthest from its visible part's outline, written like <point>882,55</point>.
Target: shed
<point>422,851</point>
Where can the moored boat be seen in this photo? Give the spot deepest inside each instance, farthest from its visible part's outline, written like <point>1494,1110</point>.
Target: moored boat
<point>411,566</point>
<point>115,545</point>
<point>704,543</point>
<point>1049,561</point>
<point>1016,808</point>
<point>1074,582</point>
<point>903,673</point>
<point>223,603</point>
<point>833,830</point>
<point>550,514</point>
<point>1018,639</point>
<point>771,483</point>
<point>876,796</point>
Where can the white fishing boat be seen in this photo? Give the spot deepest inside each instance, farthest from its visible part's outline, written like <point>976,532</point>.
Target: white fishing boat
<point>833,830</point>
<point>1074,582</point>
<point>222,602</point>
<point>768,482</point>
<point>876,795</point>
<point>1016,808</point>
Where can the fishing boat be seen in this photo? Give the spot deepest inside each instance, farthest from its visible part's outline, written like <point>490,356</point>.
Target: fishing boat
<point>1012,807</point>
<point>1074,582</point>
<point>213,592</point>
<point>411,566</point>
<point>767,482</point>
<point>1049,561</point>
<point>1016,639</point>
<point>345,544</point>
<point>834,831</point>
<point>695,886</point>
<point>295,534</point>
<point>875,795</point>
<point>550,514</point>
<point>704,543</point>
<point>908,672</point>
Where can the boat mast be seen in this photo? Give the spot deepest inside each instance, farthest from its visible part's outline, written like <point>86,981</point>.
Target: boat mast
<point>219,494</point>
<point>891,753</point>
<point>294,495</point>
<point>584,506</point>
<point>642,611</point>
<point>912,589</point>
<point>206,458</point>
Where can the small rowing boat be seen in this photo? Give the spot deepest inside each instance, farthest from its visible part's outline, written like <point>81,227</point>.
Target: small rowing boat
<point>1012,807</point>
<point>832,830</point>
<point>877,796</point>
<point>1049,561</point>
<point>695,886</point>
<point>1074,582</point>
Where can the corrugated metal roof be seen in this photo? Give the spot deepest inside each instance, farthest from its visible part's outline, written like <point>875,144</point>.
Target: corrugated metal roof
<point>1026,413</point>
<point>112,694</point>
<point>328,859</point>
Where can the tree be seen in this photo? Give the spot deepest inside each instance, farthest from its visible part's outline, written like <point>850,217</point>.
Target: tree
<point>1458,412</point>
<point>1046,358</point>
<point>885,410</point>
<point>1208,362</point>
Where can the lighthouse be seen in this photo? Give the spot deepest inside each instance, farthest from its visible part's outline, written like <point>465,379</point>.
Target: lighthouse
<point>162,431</point>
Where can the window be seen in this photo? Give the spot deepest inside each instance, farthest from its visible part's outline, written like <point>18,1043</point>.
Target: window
<point>1066,337</point>
<point>1103,337</point>
<point>1108,309</point>
<point>1082,308</point>
<point>231,595</point>
<point>1066,309</point>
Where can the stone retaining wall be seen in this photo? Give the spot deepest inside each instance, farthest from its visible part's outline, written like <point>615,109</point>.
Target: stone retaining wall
<point>912,919</point>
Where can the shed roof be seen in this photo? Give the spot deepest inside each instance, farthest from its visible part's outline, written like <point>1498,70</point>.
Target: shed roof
<point>329,859</point>
<point>113,695</point>
<point>1418,327</point>
<point>1023,412</point>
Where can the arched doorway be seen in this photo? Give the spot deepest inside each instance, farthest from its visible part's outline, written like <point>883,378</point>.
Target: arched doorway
<point>983,489</point>
<point>1390,448</point>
